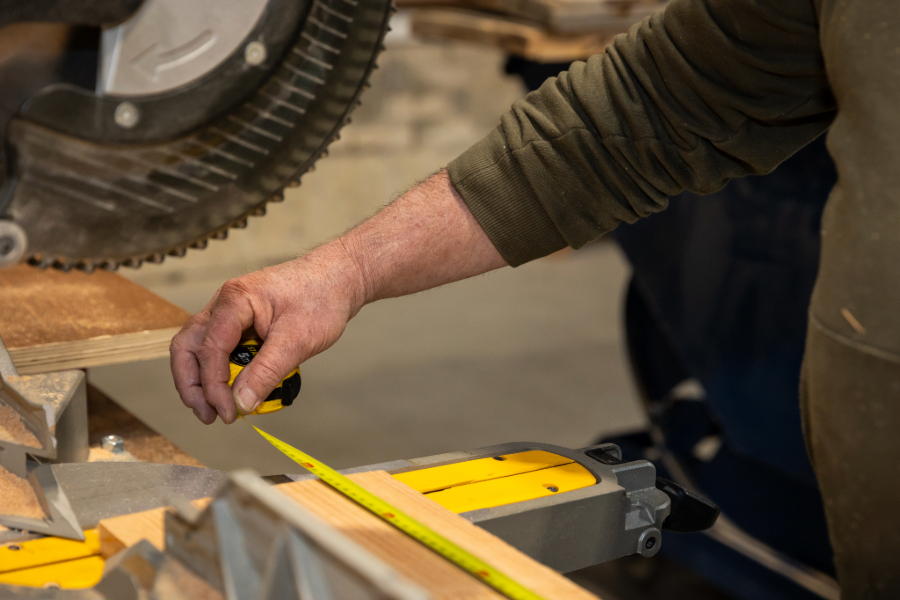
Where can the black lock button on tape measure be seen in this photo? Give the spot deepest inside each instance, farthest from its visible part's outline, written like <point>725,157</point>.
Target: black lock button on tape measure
<point>282,396</point>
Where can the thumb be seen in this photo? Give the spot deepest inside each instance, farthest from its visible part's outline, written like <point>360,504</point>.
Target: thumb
<point>276,358</point>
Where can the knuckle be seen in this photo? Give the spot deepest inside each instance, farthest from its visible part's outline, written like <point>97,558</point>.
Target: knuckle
<point>265,373</point>
<point>206,350</point>
<point>234,289</point>
<point>177,343</point>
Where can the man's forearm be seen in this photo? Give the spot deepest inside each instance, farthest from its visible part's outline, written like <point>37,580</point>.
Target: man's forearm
<point>424,239</point>
<point>299,308</point>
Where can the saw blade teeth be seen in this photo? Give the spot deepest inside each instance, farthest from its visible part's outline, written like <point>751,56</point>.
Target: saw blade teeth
<point>288,176</point>
<point>62,265</point>
<point>86,266</point>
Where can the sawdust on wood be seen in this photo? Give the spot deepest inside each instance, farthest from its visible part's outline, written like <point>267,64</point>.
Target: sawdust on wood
<point>13,429</point>
<point>17,497</point>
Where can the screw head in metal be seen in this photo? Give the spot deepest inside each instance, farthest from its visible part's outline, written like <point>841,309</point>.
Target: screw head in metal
<point>113,443</point>
<point>255,53</point>
<point>13,243</point>
<point>649,542</point>
<point>127,115</point>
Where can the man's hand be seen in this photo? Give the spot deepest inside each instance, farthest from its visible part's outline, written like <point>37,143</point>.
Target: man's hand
<point>299,308</point>
<point>426,238</point>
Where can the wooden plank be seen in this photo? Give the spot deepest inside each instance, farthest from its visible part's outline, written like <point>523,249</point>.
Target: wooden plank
<point>573,16</point>
<point>124,531</point>
<point>557,16</point>
<point>50,320</point>
<point>415,562</point>
<point>514,36</point>
<point>406,555</point>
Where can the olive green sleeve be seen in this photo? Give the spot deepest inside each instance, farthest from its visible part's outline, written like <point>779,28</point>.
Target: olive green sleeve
<point>696,94</point>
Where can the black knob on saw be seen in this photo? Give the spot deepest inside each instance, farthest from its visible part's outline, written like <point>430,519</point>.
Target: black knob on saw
<point>690,512</point>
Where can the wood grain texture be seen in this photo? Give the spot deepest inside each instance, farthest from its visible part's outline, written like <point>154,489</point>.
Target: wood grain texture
<point>414,561</point>
<point>124,531</point>
<point>51,320</point>
<point>410,558</point>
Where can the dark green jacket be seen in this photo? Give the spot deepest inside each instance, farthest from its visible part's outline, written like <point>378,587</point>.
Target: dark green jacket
<point>705,91</point>
<point>699,93</point>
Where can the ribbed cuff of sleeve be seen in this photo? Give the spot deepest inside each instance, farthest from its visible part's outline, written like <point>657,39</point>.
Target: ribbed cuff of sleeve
<point>502,201</point>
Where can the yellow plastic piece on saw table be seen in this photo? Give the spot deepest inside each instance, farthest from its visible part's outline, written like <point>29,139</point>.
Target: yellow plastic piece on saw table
<point>69,574</point>
<point>515,488</point>
<point>481,469</point>
<point>44,551</point>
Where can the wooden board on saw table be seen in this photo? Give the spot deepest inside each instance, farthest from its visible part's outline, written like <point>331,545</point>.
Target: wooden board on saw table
<point>414,561</point>
<point>516,36</point>
<point>51,321</point>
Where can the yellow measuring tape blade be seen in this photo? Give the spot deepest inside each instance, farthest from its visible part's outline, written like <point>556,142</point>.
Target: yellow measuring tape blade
<point>416,530</point>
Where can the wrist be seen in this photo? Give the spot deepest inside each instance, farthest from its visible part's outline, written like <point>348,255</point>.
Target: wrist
<point>356,275</point>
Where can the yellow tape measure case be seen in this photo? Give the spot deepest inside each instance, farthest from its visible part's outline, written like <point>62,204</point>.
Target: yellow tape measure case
<point>282,396</point>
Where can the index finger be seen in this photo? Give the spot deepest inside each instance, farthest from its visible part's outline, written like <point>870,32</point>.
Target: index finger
<point>230,316</point>
<point>186,368</point>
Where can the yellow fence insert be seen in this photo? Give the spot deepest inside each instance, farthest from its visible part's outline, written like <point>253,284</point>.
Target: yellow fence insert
<point>496,481</point>
<point>516,488</point>
<point>481,469</point>
<point>51,560</point>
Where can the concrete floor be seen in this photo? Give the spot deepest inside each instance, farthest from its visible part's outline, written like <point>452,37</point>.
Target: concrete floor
<point>533,353</point>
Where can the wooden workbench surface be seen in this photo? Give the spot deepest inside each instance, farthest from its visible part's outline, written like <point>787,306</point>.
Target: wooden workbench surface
<point>51,321</point>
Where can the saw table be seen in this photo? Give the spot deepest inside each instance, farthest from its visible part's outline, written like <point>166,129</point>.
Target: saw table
<point>531,509</point>
<point>103,529</point>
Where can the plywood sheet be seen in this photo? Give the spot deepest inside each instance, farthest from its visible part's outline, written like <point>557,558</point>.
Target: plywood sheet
<point>415,562</point>
<point>51,320</point>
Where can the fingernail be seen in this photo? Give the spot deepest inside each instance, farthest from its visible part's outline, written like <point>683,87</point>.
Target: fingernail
<point>246,400</point>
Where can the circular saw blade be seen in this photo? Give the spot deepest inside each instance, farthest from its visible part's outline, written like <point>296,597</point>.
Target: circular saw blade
<point>101,199</point>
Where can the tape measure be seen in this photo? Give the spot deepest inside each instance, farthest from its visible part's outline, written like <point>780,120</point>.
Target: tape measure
<point>282,396</point>
<point>416,530</point>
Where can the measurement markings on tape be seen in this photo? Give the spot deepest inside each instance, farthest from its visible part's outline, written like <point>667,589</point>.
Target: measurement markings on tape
<point>416,530</point>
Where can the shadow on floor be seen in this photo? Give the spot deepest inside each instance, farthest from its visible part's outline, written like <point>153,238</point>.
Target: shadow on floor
<point>639,578</point>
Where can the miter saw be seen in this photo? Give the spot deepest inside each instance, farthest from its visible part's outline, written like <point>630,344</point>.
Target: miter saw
<point>151,126</point>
